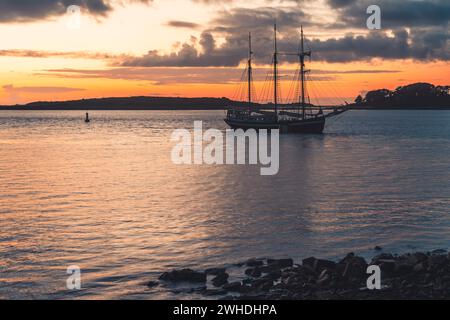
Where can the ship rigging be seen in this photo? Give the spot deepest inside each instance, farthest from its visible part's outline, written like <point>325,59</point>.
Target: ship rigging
<point>301,117</point>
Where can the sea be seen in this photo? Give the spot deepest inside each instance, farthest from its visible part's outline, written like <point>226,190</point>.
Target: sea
<point>106,197</point>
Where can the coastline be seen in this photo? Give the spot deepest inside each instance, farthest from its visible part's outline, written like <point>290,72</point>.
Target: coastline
<point>418,275</point>
<point>55,108</point>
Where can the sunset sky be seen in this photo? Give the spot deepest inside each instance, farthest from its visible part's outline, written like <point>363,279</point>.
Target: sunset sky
<point>198,47</point>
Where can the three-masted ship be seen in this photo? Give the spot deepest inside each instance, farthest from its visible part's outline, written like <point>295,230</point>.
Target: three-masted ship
<point>302,118</point>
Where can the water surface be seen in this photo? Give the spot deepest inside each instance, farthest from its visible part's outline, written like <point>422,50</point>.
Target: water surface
<point>106,196</point>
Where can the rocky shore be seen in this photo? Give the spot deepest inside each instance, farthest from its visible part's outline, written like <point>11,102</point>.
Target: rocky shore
<point>408,276</point>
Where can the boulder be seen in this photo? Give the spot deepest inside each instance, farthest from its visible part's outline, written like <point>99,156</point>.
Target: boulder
<point>324,278</point>
<point>233,287</point>
<point>270,268</point>
<point>253,272</point>
<point>274,275</point>
<point>319,265</point>
<point>184,275</point>
<point>236,287</point>
<point>281,263</point>
<point>383,256</point>
<point>215,292</point>
<point>220,279</point>
<point>355,268</point>
<point>254,263</point>
<point>262,284</point>
<point>387,266</point>
<point>152,284</point>
<point>437,261</point>
<point>215,271</point>
<point>402,268</point>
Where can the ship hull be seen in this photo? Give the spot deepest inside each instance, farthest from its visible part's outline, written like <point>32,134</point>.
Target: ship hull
<point>314,125</point>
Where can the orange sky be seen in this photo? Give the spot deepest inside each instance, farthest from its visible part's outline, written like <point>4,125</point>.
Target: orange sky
<point>89,66</point>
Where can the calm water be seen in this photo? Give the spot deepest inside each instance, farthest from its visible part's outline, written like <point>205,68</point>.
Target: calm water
<point>105,196</point>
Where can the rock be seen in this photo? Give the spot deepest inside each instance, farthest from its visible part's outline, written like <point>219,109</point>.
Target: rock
<point>270,268</point>
<point>220,279</point>
<point>378,248</point>
<point>233,287</point>
<point>215,292</point>
<point>253,272</point>
<point>215,271</point>
<point>153,284</point>
<point>184,275</point>
<point>309,262</point>
<point>281,263</point>
<point>437,261</point>
<point>383,256</point>
<point>262,284</point>
<point>321,265</point>
<point>387,266</point>
<point>355,268</point>
<point>420,257</point>
<point>403,269</point>
<point>275,275</point>
<point>254,263</point>
<point>406,276</point>
<point>412,259</point>
<point>420,267</point>
<point>318,265</point>
<point>324,278</point>
<point>439,252</point>
<point>236,287</point>
<point>200,290</point>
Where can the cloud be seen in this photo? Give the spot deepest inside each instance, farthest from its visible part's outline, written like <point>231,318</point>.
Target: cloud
<point>233,26</point>
<point>182,24</point>
<point>428,39</point>
<point>57,54</point>
<point>159,76</point>
<point>433,45</point>
<point>9,88</point>
<point>411,30</point>
<point>394,14</point>
<point>31,10</point>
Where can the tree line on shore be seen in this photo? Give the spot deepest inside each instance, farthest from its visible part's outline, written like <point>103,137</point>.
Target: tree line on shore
<point>420,94</point>
<point>417,95</point>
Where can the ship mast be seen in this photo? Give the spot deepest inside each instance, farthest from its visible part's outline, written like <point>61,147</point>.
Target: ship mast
<point>302,56</point>
<point>250,69</point>
<point>275,73</point>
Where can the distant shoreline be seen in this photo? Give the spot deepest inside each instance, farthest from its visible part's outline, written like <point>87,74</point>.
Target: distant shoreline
<point>189,104</point>
<point>188,108</point>
<point>198,109</point>
<point>411,97</point>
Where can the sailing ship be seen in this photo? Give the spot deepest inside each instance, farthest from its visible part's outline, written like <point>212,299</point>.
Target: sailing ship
<point>301,118</point>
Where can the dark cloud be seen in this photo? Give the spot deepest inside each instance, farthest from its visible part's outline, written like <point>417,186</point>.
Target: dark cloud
<point>341,3</point>
<point>418,44</point>
<point>30,10</point>
<point>182,24</point>
<point>424,41</point>
<point>233,26</point>
<point>411,29</point>
<point>395,14</point>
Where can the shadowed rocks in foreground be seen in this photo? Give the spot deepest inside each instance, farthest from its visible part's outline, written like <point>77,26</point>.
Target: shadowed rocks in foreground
<point>409,276</point>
